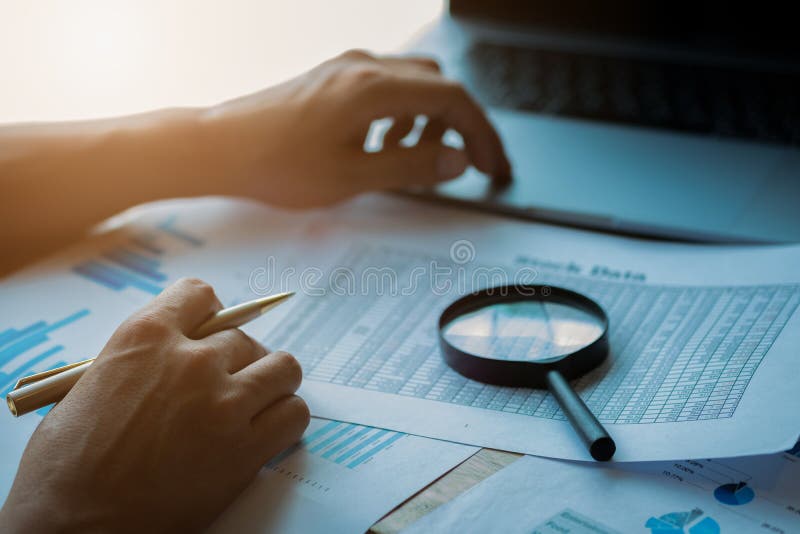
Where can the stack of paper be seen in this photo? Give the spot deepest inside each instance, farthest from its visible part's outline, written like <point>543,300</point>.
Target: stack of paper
<point>702,364</point>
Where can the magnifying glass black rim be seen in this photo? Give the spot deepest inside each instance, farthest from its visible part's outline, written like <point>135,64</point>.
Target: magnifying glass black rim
<point>523,373</point>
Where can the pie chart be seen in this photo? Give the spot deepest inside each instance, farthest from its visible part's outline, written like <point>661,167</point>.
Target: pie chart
<point>734,494</point>
<point>692,522</point>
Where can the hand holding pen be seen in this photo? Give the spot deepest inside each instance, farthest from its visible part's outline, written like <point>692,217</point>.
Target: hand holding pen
<point>158,413</point>
<point>38,390</point>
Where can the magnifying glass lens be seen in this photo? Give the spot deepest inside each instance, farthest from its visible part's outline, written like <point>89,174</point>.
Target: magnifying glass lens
<point>533,331</point>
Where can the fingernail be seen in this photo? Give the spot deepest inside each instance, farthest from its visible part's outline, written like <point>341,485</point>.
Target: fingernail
<point>451,163</point>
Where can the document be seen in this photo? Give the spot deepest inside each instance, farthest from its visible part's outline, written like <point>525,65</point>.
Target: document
<point>703,339</point>
<point>341,478</point>
<point>742,495</point>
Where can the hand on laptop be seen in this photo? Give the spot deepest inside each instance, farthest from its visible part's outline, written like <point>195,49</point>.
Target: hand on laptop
<point>163,431</point>
<point>301,143</point>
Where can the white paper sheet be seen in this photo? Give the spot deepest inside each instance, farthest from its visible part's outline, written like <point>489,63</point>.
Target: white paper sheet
<point>342,478</point>
<point>742,495</point>
<point>703,338</point>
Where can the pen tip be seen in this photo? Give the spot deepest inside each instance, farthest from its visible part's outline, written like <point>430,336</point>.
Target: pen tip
<point>268,303</point>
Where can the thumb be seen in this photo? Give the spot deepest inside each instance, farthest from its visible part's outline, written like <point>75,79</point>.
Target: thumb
<point>422,164</point>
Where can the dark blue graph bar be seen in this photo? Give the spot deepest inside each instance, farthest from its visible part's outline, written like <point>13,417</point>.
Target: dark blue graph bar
<point>114,277</point>
<point>95,272</point>
<point>137,263</point>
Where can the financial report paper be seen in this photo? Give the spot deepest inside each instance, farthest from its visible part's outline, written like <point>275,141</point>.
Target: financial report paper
<point>703,339</point>
<point>744,495</point>
<point>341,478</point>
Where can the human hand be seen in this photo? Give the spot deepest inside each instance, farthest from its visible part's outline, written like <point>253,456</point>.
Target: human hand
<point>300,144</point>
<point>162,432</point>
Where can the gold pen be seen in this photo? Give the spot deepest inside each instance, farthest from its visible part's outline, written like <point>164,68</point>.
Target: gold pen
<point>40,389</point>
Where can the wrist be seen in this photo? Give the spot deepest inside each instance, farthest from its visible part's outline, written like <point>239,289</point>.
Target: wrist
<point>245,144</point>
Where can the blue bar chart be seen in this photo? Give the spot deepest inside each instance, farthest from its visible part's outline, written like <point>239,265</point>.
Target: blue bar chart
<point>137,263</point>
<point>22,350</point>
<point>345,444</point>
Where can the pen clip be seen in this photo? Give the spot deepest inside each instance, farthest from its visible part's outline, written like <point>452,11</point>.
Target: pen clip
<point>30,379</point>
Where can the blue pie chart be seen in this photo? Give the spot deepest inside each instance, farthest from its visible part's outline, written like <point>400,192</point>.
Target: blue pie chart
<point>734,494</point>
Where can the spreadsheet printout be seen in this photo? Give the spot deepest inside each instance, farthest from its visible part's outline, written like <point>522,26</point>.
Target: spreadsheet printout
<point>701,354</point>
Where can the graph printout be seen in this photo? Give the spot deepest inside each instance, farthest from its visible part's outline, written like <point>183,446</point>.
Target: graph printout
<point>703,340</point>
<point>340,478</point>
<point>548,497</point>
<point>681,353</point>
<point>64,308</point>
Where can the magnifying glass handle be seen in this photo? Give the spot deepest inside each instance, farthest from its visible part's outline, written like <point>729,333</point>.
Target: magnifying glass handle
<point>600,444</point>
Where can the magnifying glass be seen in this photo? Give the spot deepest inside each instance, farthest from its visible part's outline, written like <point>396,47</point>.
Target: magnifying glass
<point>531,336</point>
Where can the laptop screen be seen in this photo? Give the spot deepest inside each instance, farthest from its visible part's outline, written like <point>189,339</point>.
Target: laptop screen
<point>753,28</point>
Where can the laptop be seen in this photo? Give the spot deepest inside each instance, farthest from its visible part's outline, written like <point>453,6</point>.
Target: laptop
<point>669,120</point>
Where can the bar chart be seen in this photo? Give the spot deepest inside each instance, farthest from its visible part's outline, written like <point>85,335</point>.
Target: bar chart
<point>345,444</point>
<point>29,349</point>
<point>137,263</point>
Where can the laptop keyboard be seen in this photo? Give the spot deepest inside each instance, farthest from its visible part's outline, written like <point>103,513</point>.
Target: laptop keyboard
<point>689,98</point>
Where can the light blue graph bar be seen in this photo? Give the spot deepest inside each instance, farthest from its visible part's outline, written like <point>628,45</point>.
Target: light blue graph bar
<point>344,443</point>
<point>35,334</point>
<point>363,458</point>
<point>305,442</point>
<point>321,432</point>
<point>374,437</point>
<point>67,320</point>
<point>17,348</point>
<point>168,226</point>
<point>12,335</point>
<point>324,443</point>
<point>8,335</point>
<point>20,371</point>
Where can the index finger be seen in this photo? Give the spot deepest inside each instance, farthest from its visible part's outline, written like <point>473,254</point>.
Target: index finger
<point>187,303</point>
<point>446,100</point>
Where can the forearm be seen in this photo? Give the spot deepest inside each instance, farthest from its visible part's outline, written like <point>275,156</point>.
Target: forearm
<point>58,180</point>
